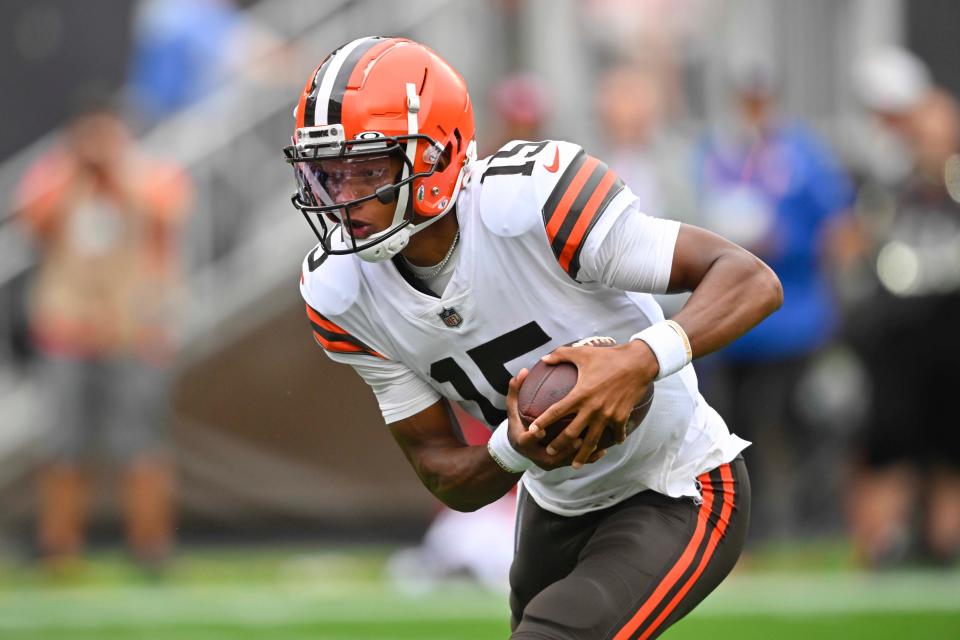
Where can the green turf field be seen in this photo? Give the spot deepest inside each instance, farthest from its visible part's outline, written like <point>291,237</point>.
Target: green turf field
<point>327,595</point>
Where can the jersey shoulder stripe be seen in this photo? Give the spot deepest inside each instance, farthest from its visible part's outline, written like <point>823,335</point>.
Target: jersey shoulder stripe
<point>577,201</point>
<point>332,338</point>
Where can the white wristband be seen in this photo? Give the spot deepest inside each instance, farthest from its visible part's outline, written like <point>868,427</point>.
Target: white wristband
<point>503,452</point>
<point>670,344</point>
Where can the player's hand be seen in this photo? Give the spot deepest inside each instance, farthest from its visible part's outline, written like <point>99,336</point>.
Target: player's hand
<point>527,442</point>
<point>610,383</point>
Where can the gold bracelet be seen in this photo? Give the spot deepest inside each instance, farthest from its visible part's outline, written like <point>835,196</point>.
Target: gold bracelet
<point>683,336</point>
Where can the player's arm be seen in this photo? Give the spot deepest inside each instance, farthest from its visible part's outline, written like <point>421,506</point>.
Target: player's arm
<point>732,291</point>
<point>461,476</point>
<point>466,477</point>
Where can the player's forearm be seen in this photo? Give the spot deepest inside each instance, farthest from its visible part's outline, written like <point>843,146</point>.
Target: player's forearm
<point>464,478</point>
<point>736,293</point>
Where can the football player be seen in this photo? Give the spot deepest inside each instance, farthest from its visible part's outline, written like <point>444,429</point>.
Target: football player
<point>440,277</point>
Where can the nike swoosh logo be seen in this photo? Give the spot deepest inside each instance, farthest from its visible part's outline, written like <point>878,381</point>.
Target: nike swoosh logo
<point>552,168</point>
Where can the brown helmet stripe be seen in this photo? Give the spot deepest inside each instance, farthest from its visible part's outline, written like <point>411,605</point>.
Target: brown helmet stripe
<point>339,88</point>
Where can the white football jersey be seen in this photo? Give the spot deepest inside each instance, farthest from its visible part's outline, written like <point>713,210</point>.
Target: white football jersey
<point>525,214</point>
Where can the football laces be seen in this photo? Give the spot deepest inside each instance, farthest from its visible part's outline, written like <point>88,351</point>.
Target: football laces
<point>594,341</point>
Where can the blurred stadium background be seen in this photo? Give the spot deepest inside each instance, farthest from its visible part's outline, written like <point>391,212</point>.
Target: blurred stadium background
<point>292,501</point>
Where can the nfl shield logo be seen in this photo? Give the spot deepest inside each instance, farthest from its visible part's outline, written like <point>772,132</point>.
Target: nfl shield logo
<point>450,317</point>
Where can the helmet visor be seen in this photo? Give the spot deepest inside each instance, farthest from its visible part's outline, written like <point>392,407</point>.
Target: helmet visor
<point>344,179</point>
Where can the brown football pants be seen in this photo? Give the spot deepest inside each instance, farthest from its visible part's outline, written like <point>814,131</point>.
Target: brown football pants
<point>629,571</point>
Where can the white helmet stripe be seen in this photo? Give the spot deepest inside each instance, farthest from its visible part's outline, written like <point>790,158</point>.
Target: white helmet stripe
<point>321,115</point>
<point>413,128</point>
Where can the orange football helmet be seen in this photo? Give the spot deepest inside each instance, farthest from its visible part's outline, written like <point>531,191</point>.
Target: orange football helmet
<point>377,98</point>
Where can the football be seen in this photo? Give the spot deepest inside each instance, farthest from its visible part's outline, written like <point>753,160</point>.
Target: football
<point>545,384</point>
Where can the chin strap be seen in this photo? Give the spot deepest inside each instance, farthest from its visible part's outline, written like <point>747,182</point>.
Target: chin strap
<point>398,242</point>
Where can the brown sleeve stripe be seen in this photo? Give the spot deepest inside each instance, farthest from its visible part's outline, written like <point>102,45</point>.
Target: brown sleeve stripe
<point>332,338</point>
<point>338,346</point>
<point>319,319</point>
<point>576,203</point>
<point>558,204</point>
<point>610,185</point>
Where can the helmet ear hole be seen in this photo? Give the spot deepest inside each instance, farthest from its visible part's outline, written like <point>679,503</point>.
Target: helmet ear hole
<point>456,134</point>
<point>444,160</point>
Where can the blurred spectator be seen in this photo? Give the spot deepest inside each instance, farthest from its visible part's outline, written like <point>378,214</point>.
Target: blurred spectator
<point>104,218</point>
<point>638,147</point>
<point>180,52</point>
<point>653,160</point>
<point>521,106</point>
<point>660,35</point>
<point>771,186</point>
<point>183,49</point>
<point>906,499</point>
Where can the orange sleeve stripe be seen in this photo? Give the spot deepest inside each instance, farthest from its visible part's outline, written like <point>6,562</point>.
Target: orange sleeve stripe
<point>578,200</point>
<point>332,338</point>
<point>342,346</point>
<point>578,234</point>
<point>321,320</point>
<point>330,345</point>
<point>569,196</point>
<point>337,345</point>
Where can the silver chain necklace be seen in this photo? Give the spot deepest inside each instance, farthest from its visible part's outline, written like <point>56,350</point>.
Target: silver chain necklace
<point>437,269</point>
